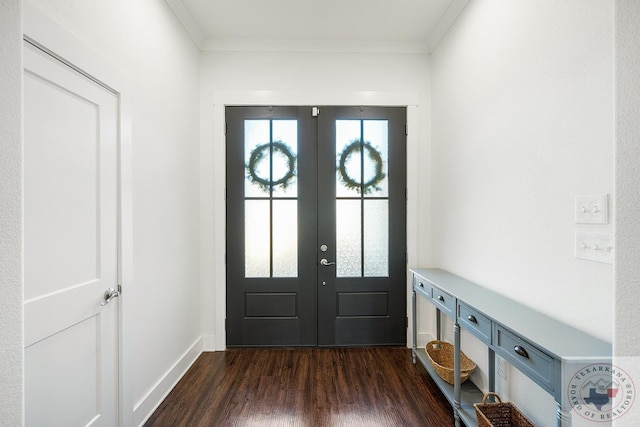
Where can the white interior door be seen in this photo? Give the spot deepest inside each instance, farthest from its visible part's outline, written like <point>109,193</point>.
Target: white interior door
<point>71,245</point>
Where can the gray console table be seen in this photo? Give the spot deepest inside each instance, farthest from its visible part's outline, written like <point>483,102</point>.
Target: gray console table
<point>539,346</point>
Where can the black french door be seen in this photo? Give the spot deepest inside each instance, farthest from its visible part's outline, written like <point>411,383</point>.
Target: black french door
<point>316,226</point>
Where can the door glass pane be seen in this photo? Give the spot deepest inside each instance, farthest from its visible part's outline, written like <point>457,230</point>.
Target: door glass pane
<point>362,190</point>
<point>348,178</point>
<point>257,137</point>
<point>285,238</point>
<point>285,151</point>
<point>376,238</point>
<point>271,230</point>
<point>348,238</point>
<point>375,134</point>
<point>257,238</point>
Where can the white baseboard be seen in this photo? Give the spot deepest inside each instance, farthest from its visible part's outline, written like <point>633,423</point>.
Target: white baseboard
<point>150,402</point>
<point>208,343</point>
<point>423,338</point>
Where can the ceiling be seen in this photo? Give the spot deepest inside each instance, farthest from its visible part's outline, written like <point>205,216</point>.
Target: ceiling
<point>401,25</point>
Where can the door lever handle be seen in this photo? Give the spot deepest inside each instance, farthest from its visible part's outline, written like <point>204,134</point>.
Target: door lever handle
<point>324,262</point>
<point>109,294</point>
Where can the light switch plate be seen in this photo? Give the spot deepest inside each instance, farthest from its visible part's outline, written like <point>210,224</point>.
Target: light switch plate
<point>592,209</point>
<point>594,246</point>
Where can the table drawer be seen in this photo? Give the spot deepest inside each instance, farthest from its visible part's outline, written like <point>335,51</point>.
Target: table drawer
<point>444,301</point>
<point>525,356</point>
<point>475,322</point>
<point>423,287</point>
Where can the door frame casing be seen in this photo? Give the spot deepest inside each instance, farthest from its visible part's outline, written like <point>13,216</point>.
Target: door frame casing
<point>213,173</point>
<point>48,34</point>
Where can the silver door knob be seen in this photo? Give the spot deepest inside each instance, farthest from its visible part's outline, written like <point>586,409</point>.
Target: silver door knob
<point>109,294</point>
<point>324,261</point>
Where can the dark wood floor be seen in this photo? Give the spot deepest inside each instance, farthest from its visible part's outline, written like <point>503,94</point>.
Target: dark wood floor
<point>305,387</point>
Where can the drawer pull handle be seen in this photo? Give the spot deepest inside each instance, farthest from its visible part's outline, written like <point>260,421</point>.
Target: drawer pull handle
<point>440,298</point>
<point>471,318</point>
<point>521,351</point>
<point>422,285</point>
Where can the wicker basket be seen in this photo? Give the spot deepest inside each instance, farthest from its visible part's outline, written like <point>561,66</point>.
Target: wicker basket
<point>440,354</point>
<point>499,414</point>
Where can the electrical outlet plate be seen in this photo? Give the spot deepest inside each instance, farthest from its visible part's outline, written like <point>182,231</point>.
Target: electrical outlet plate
<point>592,209</point>
<point>501,368</point>
<point>594,246</point>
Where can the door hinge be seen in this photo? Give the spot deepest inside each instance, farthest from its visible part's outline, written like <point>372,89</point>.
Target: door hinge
<point>226,128</point>
<point>315,111</point>
<point>406,322</point>
<point>406,132</point>
<point>225,194</point>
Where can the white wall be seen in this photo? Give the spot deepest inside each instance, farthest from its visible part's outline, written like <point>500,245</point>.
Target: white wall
<point>11,337</point>
<point>626,344</point>
<point>145,40</point>
<point>627,178</point>
<point>522,122</point>
<point>311,78</point>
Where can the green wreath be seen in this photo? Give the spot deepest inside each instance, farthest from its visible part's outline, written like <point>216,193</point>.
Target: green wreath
<point>372,184</point>
<point>259,153</point>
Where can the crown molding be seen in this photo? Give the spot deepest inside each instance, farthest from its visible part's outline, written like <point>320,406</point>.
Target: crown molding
<point>445,23</point>
<point>301,45</point>
<point>206,44</point>
<point>187,22</point>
